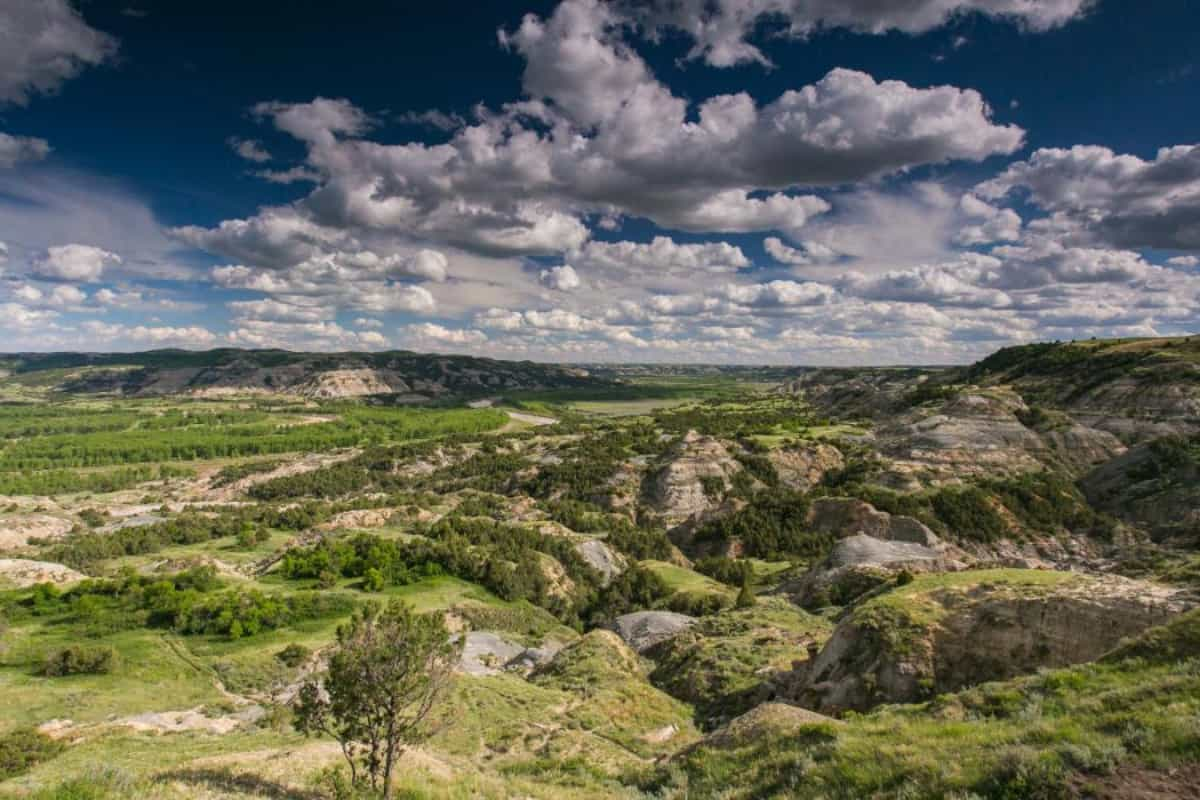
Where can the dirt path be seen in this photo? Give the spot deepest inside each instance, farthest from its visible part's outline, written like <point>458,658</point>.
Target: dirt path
<point>530,419</point>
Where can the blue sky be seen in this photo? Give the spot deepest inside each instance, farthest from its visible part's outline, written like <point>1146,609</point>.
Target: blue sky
<point>782,181</point>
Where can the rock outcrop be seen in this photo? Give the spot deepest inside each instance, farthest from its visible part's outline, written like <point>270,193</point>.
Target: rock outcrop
<point>1155,486</point>
<point>487,653</point>
<point>942,633</point>
<point>22,572</point>
<point>847,516</point>
<point>602,558</point>
<point>981,432</point>
<point>678,492</point>
<point>801,468</point>
<point>642,630</point>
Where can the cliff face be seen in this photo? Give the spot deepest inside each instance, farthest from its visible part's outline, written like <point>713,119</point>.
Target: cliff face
<point>942,633</point>
<point>678,491</point>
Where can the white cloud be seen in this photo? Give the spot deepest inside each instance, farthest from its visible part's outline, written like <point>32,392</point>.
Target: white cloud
<point>811,252</point>
<point>562,279</point>
<point>601,135</point>
<point>42,45</point>
<point>289,176</point>
<point>190,337</point>
<point>622,261</point>
<point>721,29</point>
<point>18,149</point>
<point>429,331</point>
<point>780,293</point>
<point>54,206</point>
<point>1183,261</point>
<point>74,262</point>
<point>249,149</point>
<point>988,223</point>
<point>28,294</point>
<point>1042,263</point>
<point>944,285</point>
<point>15,316</point>
<point>1119,200</point>
<point>67,296</point>
<point>323,335</point>
<point>277,311</point>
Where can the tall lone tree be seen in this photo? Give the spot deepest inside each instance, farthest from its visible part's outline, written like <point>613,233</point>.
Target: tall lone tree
<point>385,675</point>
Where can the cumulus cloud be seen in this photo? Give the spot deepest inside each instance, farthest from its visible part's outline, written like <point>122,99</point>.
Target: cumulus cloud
<point>1042,263</point>
<point>18,149</point>
<point>249,149</point>
<point>432,332</point>
<point>939,285</point>
<point>275,238</point>
<point>322,335</point>
<point>562,279</point>
<point>67,296</point>
<point>186,336</point>
<point>780,293</point>
<point>42,45</point>
<point>276,311</point>
<point>988,223</point>
<point>1120,200</point>
<point>1183,261</point>
<point>599,134</point>
<point>721,30</point>
<point>74,262</point>
<point>288,176</point>
<point>662,256</point>
<point>19,317</point>
<point>809,253</point>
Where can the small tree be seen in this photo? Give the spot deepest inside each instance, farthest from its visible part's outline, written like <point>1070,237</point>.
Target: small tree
<point>386,673</point>
<point>745,598</point>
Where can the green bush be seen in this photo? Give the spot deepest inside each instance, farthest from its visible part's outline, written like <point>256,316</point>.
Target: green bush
<point>293,655</point>
<point>79,659</point>
<point>23,749</point>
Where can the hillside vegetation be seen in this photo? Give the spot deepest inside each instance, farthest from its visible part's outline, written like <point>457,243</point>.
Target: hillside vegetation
<point>682,583</point>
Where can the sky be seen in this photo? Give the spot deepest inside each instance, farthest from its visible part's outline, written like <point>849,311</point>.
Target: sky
<point>811,182</point>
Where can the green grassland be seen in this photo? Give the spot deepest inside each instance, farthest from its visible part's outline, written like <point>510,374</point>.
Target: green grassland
<point>1032,737</point>
<point>638,396</point>
<point>478,520</point>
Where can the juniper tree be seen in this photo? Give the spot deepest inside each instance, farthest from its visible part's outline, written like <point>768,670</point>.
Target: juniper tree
<point>387,672</point>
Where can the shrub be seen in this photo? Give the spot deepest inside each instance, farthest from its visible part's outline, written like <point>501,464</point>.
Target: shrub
<point>729,571</point>
<point>79,659</point>
<point>696,604</point>
<point>745,598</point>
<point>23,749</point>
<point>293,655</point>
<point>713,486</point>
<point>92,517</point>
<point>373,580</point>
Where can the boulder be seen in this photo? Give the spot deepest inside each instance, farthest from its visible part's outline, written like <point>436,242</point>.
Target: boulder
<point>486,653</point>
<point>641,630</point>
<point>847,516</point>
<point>601,558</point>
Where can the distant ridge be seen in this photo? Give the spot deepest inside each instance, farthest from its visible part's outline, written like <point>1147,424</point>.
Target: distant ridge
<point>402,374</point>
